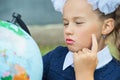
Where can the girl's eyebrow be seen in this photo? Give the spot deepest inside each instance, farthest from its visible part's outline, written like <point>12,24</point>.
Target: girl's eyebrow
<point>77,17</point>
<point>64,18</point>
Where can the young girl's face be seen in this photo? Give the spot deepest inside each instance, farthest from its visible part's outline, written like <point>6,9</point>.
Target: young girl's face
<point>80,22</point>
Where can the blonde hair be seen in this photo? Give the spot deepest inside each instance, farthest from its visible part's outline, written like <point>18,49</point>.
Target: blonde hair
<point>113,39</point>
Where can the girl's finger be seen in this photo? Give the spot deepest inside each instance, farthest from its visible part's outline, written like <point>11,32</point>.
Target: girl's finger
<point>94,44</point>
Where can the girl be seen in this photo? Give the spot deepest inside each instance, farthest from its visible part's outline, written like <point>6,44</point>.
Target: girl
<point>92,36</point>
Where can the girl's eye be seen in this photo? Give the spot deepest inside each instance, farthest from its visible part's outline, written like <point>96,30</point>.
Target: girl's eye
<point>65,24</point>
<point>79,22</point>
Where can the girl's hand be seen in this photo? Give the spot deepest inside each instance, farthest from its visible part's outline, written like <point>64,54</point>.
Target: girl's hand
<point>85,61</point>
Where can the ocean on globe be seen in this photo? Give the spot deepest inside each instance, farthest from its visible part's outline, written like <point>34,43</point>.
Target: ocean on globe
<point>20,57</point>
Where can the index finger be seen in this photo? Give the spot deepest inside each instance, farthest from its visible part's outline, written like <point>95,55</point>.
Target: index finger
<point>94,44</point>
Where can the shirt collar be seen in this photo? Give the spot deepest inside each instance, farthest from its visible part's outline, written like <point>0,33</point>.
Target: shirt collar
<point>104,57</point>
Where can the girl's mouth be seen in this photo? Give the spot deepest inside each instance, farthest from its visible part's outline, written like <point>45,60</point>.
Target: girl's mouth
<point>69,41</point>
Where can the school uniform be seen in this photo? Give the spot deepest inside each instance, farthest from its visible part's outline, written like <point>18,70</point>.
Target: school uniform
<point>58,65</point>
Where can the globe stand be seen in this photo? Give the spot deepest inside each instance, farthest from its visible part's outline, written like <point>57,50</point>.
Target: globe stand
<point>16,19</point>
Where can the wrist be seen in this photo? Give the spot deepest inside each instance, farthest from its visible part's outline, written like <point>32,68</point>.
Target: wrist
<point>85,76</point>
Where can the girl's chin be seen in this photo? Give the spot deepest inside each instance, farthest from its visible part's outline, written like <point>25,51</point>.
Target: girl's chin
<point>73,49</point>
<point>76,48</point>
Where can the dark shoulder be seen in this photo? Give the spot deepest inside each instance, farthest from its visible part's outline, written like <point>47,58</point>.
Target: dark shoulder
<point>53,60</point>
<point>57,53</point>
<point>110,71</point>
<point>60,49</point>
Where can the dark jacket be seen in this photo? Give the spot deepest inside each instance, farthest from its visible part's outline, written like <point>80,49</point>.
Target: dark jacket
<point>53,64</point>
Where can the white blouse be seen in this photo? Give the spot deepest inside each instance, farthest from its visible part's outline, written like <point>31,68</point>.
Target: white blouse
<point>104,57</point>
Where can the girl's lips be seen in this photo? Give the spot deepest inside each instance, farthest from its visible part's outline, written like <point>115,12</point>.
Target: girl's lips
<point>69,41</point>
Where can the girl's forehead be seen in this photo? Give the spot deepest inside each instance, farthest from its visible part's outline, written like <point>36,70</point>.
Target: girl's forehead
<point>77,7</point>
<point>77,4</point>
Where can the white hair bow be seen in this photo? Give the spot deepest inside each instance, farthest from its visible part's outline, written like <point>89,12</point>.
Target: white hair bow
<point>58,5</point>
<point>105,6</point>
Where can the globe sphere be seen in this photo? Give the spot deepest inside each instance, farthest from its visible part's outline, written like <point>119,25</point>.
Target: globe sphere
<point>20,57</point>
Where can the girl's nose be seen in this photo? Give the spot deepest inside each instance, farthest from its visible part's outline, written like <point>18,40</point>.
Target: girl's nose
<point>68,30</point>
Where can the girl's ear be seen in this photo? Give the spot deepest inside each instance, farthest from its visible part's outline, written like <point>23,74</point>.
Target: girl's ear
<point>108,26</point>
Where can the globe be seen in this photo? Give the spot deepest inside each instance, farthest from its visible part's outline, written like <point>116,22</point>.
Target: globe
<point>20,57</point>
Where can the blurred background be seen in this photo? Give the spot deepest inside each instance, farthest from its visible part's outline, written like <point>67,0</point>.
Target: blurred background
<point>44,23</point>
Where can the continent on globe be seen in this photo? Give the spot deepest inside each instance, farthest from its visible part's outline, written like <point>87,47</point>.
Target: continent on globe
<point>21,73</point>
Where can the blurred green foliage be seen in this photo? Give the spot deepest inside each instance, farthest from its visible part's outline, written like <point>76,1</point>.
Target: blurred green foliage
<point>45,49</point>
